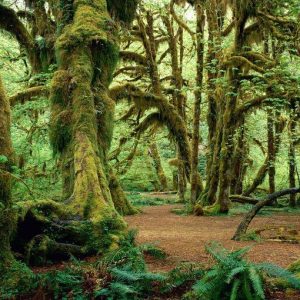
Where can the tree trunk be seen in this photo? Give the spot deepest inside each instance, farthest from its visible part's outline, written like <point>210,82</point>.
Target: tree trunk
<point>6,159</point>
<point>196,186</point>
<point>292,157</point>
<point>82,112</point>
<point>262,172</point>
<point>154,153</point>
<point>271,151</point>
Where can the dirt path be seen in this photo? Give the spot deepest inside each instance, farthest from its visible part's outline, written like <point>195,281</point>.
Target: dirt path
<point>184,237</point>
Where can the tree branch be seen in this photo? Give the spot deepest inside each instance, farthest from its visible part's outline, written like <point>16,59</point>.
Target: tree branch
<point>10,22</point>
<point>27,95</point>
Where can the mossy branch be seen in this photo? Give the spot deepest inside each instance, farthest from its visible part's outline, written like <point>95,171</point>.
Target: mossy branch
<point>228,29</point>
<point>180,22</point>
<point>248,105</point>
<point>133,56</point>
<point>10,22</point>
<point>238,61</point>
<point>29,94</point>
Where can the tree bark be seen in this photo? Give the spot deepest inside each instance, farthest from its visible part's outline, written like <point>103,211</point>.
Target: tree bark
<point>271,151</point>
<point>154,153</point>
<point>292,157</point>
<point>6,160</point>
<point>82,112</point>
<point>196,186</point>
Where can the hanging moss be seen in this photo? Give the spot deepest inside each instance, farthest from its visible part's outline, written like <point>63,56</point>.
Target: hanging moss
<point>60,88</point>
<point>106,56</point>
<point>66,7</point>
<point>123,10</point>
<point>61,131</point>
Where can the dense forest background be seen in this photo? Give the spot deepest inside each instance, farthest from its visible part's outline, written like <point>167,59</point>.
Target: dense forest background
<point>110,106</point>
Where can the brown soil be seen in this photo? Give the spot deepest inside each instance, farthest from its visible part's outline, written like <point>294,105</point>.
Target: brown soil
<point>184,237</point>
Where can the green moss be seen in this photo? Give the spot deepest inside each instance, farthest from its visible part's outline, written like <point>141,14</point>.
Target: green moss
<point>18,279</point>
<point>89,24</point>
<point>212,209</point>
<point>106,56</point>
<point>61,131</point>
<point>60,88</point>
<point>123,10</point>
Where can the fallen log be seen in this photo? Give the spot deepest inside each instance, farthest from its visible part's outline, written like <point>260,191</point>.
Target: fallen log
<point>242,228</point>
<point>243,199</point>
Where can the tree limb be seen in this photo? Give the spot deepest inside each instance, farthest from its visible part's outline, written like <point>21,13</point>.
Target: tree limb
<point>27,95</point>
<point>242,228</point>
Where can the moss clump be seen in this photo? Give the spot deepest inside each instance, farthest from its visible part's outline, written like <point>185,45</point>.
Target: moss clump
<point>212,209</point>
<point>89,25</point>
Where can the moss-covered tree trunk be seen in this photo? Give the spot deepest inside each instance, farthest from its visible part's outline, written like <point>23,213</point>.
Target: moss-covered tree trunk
<point>271,151</point>
<point>82,112</point>
<point>214,114</point>
<point>292,156</point>
<point>197,188</point>
<point>6,157</point>
<point>238,164</point>
<point>154,153</point>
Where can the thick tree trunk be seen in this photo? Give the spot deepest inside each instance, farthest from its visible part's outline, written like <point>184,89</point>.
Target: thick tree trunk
<point>82,112</point>
<point>6,159</point>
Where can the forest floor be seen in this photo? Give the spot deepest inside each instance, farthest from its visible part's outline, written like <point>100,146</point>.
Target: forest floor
<point>183,238</point>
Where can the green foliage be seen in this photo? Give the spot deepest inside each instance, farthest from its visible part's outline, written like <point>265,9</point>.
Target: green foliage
<point>235,278</point>
<point>130,277</point>
<point>3,159</point>
<point>18,279</point>
<point>182,277</point>
<point>152,250</point>
<point>63,283</point>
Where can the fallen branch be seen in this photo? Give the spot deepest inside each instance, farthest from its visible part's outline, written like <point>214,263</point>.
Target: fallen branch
<point>242,228</point>
<point>243,199</point>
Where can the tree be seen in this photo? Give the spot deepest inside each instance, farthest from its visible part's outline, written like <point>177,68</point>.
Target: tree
<point>6,162</point>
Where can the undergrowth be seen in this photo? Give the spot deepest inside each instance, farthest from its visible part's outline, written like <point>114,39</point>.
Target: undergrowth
<point>122,275</point>
<point>234,278</point>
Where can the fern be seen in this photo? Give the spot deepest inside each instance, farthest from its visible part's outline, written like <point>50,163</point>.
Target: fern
<point>231,278</point>
<point>275,271</point>
<point>153,251</point>
<point>234,278</point>
<point>256,281</point>
<point>235,288</point>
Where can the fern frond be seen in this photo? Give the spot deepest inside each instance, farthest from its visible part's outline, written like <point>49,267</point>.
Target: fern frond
<point>234,272</point>
<point>256,282</point>
<point>275,271</point>
<point>235,288</point>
